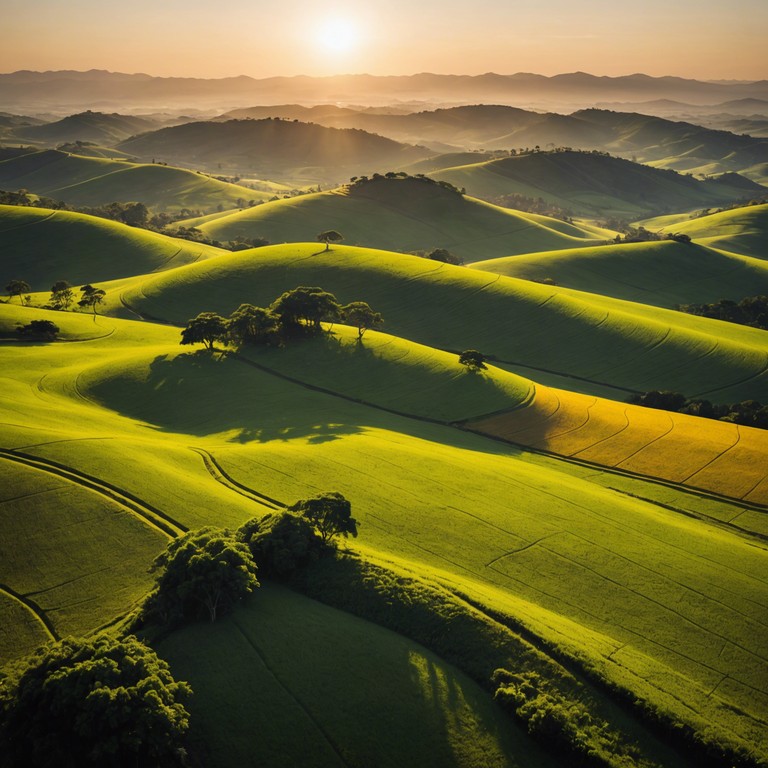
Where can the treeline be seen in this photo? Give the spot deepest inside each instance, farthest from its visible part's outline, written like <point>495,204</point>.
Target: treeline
<point>295,313</point>
<point>533,205</point>
<point>749,413</point>
<point>762,200</point>
<point>136,214</point>
<point>362,181</point>
<point>752,311</point>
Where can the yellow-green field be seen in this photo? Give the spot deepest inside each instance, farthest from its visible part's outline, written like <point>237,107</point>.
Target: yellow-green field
<point>556,520</point>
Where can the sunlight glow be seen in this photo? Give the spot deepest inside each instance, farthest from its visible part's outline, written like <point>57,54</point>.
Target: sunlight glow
<point>338,35</point>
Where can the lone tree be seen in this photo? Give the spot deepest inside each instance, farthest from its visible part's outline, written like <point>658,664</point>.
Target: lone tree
<point>17,288</point>
<point>473,359</point>
<point>203,573</point>
<point>91,297</point>
<point>62,295</point>
<point>329,513</point>
<point>444,255</point>
<point>252,325</point>
<point>94,702</point>
<point>330,236</point>
<point>306,305</point>
<point>359,314</point>
<point>39,330</point>
<point>206,328</point>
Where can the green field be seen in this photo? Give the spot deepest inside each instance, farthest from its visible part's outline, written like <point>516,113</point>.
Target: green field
<point>547,530</point>
<point>93,181</point>
<point>403,215</point>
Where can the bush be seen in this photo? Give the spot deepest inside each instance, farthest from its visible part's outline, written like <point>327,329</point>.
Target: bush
<point>39,330</point>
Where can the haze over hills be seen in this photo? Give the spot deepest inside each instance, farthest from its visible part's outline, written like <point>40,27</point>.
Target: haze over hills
<point>67,91</point>
<point>97,127</point>
<point>274,148</point>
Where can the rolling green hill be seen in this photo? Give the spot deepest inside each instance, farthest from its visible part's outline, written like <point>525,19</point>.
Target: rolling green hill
<point>638,594</point>
<point>590,184</point>
<point>91,181</point>
<point>662,273</point>
<point>274,149</point>
<point>88,249</point>
<point>403,215</point>
<point>591,339</point>
<point>98,127</point>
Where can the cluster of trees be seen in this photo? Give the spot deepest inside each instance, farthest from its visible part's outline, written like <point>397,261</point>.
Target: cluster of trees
<point>749,413</point>
<point>440,254</point>
<point>538,205</point>
<point>38,330</point>
<point>361,181</point>
<point>752,311</point>
<point>298,312</point>
<point>762,200</point>
<point>62,295</point>
<point>101,701</point>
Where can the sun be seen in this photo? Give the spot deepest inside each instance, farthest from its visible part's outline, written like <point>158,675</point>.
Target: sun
<point>339,35</point>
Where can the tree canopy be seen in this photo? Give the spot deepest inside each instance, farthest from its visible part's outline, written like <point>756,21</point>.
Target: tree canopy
<point>62,295</point>
<point>473,359</point>
<point>307,305</point>
<point>40,330</point>
<point>330,236</point>
<point>359,314</point>
<point>206,328</point>
<point>330,514</point>
<point>97,702</point>
<point>252,325</point>
<point>201,574</point>
<point>91,297</point>
<point>17,288</point>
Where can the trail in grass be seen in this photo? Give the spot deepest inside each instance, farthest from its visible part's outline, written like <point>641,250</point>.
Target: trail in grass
<point>33,608</point>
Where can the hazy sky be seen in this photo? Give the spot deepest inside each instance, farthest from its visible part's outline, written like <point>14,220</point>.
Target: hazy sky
<point>691,38</point>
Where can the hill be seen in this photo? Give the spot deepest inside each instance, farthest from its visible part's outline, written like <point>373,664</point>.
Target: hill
<point>519,547</point>
<point>91,181</point>
<point>591,340</point>
<point>88,249</point>
<point>663,273</point>
<point>592,184</point>
<point>97,127</point>
<point>402,214</point>
<point>273,148</point>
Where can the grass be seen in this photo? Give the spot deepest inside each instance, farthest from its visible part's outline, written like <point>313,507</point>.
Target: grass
<point>402,215</point>
<point>662,273</point>
<point>310,679</point>
<point>114,434</point>
<point>88,249</point>
<point>90,181</point>
<point>605,341</point>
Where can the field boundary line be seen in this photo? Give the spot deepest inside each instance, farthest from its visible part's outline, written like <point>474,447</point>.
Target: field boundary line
<point>148,514</point>
<point>34,609</point>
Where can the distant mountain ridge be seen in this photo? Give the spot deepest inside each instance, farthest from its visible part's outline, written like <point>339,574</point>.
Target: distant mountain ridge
<point>26,90</point>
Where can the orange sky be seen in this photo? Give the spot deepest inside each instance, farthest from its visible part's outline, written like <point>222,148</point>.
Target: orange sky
<point>689,38</point>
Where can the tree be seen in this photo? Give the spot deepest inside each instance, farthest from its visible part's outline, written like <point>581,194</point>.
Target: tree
<point>280,542</point>
<point>206,328</point>
<point>91,297</point>
<point>95,702</point>
<point>252,325</point>
<point>329,513</point>
<point>473,359</point>
<point>308,305</point>
<point>43,330</point>
<point>359,314</point>
<point>17,288</point>
<point>330,236</point>
<point>203,573</point>
<point>441,254</point>
<point>62,295</point>
<point>135,214</point>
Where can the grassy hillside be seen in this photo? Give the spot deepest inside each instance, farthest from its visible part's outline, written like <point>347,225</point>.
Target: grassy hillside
<point>273,148</point>
<point>590,184</point>
<point>91,181</point>
<point>662,273</point>
<point>663,603</point>
<point>281,656</point>
<point>88,249</point>
<point>584,336</point>
<point>98,127</point>
<point>402,215</point>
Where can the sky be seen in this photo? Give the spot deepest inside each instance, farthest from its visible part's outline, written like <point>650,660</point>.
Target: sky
<point>704,39</point>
